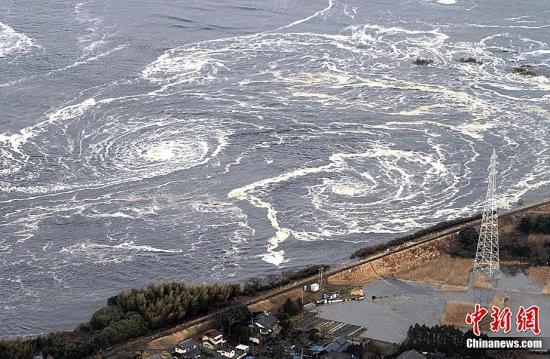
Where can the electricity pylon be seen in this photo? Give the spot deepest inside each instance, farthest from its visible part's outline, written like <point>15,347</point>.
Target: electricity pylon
<point>487,254</point>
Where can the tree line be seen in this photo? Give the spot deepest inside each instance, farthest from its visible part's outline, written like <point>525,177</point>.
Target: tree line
<point>516,246</point>
<point>443,339</point>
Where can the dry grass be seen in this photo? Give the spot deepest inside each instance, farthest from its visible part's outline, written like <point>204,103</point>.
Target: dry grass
<point>273,304</point>
<point>481,281</point>
<point>263,306</point>
<point>541,275</point>
<point>391,264</point>
<point>451,272</point>
<point>357,291</point>
<point>170,341</point>
<point>454,288</point>
<point>456,311</point>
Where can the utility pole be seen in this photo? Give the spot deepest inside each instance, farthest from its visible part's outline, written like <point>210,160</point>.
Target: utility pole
<point>487,252</point>
<point>321,278</point>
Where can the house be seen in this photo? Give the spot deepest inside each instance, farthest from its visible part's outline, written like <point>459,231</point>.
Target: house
<point>227,352</point>
<point>212,339</point>
<point>331,296</point>
<point>338,345</point>
<point>263,324</point>
<point>241,351</point>
<point>188,349</point>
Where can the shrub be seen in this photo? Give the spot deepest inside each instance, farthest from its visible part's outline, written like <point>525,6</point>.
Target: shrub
<point>423,62</point>
<point>524,70</point>
<point>537,224</point>
<point>471,60</point>
<point>105,316</point>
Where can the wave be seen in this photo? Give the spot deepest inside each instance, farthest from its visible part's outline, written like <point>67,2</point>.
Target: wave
<point>117,253</point>
<point>13,42</point>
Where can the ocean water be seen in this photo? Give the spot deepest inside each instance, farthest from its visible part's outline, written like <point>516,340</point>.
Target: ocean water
<point>219,140</point>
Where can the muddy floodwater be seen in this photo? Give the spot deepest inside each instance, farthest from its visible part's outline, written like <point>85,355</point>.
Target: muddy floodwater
<point>392,306</point>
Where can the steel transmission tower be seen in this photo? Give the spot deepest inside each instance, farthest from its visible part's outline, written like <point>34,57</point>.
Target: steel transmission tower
<point>487,254</point>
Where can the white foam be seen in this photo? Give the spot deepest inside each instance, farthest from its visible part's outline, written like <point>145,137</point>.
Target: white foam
<point>118,253</point>
<point>322,13</point>
<point>13,42</point>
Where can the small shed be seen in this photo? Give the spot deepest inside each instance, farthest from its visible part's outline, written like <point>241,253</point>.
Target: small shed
<point>314,287</point>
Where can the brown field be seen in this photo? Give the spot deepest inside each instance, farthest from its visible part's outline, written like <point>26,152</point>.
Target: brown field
<point>541,275</point>
<point>451,272</point>
<point>455,313</point>
<point>480,281</point>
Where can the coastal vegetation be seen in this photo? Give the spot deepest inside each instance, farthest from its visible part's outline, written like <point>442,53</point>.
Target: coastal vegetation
<point>443,339</point>
<point>423,62</point>
<point>471,60</point>
<point>524,70</point>
<point>527,241</point>
<point>128,315</point>
<point>136,312</point>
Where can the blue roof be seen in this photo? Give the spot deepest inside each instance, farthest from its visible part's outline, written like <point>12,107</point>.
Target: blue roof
<point>317,348</point>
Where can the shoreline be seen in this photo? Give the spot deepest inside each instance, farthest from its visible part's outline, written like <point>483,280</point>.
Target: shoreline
<point>441,234</point>
<point>400,254</point>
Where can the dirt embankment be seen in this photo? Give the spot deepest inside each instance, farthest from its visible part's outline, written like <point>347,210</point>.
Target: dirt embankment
<point>390,264</point>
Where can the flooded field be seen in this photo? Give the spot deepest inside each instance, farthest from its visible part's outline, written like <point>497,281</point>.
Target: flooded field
<point>391,306</point>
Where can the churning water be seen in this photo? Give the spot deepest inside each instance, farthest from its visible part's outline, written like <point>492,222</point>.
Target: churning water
<point>218,140</point>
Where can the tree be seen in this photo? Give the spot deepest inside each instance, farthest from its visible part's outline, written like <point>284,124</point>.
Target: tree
<point>233,320</point>
<point>291,307</point>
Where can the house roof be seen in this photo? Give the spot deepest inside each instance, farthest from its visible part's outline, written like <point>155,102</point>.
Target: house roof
<point>336,355</point>
<point>225,349</point>
<point>187,344</point>
<point>266,320</point>
<point>317,348</point>
<point>242,347</point>
<point>411,354</point>
<point>212,333</point>
<point>338,345</point>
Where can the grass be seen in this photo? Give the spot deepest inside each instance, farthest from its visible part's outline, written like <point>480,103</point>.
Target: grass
<point>481,281</point>
<point>450,272</point>
<point>455,313</point>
